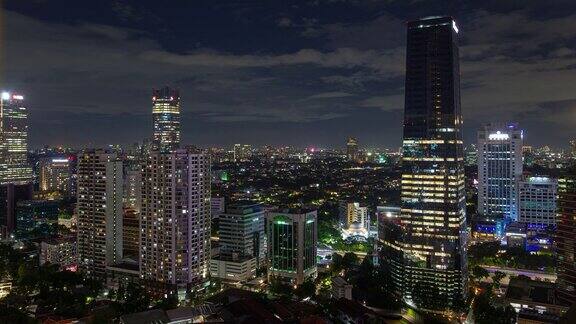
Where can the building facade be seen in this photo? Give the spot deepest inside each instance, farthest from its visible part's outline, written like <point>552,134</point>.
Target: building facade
<point>10,195</point>
<point>537,200</point>
<point>499,170</point>
<point>56,175</point>
<point>175,218</point>
<point>99,223</point>
<point>60,251</point>
<point>14,167</point>
<point>354,219</point>
<point>428,257</point>
<point>15,172</point>
<point>292,239</point>
<point>565,238</point>
<point>36,218</point>
<point>131,234</point>
<point>242,238</point>
<point>133,187</point>
<point>166,118</point>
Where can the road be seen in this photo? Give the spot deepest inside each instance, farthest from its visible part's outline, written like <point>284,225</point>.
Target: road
<point>534,275</point>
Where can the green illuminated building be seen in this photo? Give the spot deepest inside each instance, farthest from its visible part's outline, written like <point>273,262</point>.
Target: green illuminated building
<point>292,238</point>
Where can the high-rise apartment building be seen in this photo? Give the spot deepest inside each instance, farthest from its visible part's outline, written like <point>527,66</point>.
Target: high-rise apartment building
<point>60,251</point>
<point>131,234</point>
<point>241,239</point>
<point>354,219</point>
<point>499,170</point>
<point>292,238</point>
<point>99,211</point>
<point>565,238</point>
<point>352,212</point>
<point>56,175</point>
<point>166,118</point>
<point>430,259</point>
<point>537,200</point>
<point>175,218</point>
<point>14,167</point>
<point>133,187</point>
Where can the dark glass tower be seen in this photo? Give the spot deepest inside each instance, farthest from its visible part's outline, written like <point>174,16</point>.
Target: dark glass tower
<point>429,266</point>
<point>166,116</point>
<point>565,238</point>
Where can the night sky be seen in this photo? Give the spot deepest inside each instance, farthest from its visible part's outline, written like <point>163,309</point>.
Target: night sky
<point>306,72</point>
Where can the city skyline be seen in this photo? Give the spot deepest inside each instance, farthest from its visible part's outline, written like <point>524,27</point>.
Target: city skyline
<point>301,161</point>
<point>312,70</point>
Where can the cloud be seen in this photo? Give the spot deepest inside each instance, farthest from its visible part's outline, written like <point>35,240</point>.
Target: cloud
<point>512,64</point>
<point>385,103</point>
<point>331,95</point>
<point>284,22</point>
<point>348,58</point>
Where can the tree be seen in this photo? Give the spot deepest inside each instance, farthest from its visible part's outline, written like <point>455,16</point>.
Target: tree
<point>497,277</point>
<point>350,259</point>
<point>306,289</point>
<point>478,272</point>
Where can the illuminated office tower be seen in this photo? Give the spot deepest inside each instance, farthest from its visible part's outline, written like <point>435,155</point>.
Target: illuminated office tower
<point>242,250</point>
<point>431,259</point>
<point>99,211</point>
<point>537,200</point>
<point>292,238</point>
<point>565,238</point>
<point>56,175</point>
<point>14,167</point>
<point>175,219</point>
<point>166,117</point>
<point>499,170</point>
<point>15,172</point>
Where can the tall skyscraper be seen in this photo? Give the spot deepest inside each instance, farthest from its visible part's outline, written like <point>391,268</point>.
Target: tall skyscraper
<point>430,266</point>
<point>175,218</point>
<point>99,211</point>
<point>499,170</point>
<point>242,248</point>
<point>15,172</point>
<point>565,238</point>
<point>166,117</point>
<point>352,149</point>
<point>292,238</point>
<point>14,167</point>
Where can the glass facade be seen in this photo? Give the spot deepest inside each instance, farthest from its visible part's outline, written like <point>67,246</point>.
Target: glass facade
<point>166,117</point>
<point>428,261</point>
<point>499,169</point>
<point>565,238</point>
<point>292,237</point>
<point>14,166</point>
